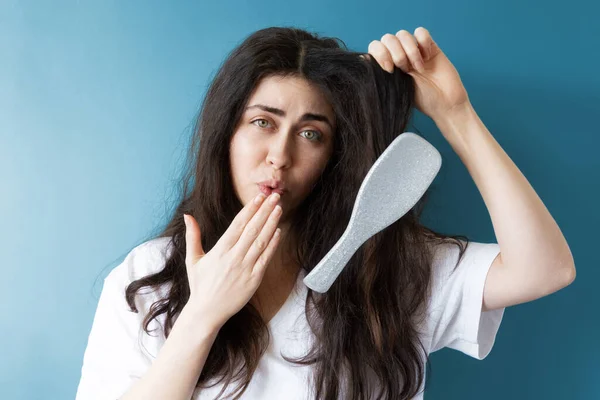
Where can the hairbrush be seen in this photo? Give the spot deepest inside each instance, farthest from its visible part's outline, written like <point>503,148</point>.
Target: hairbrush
<point>394,184</point>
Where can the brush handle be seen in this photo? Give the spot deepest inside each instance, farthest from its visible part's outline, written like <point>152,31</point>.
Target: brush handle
<point>328,269</point>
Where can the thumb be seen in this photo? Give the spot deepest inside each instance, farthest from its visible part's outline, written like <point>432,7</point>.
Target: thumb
<point>193,240</point>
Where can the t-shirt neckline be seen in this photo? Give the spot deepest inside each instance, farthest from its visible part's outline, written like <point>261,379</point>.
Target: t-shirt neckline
<point>283,311</point>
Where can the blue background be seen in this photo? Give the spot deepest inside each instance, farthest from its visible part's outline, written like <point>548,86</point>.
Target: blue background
<point>96,105</point>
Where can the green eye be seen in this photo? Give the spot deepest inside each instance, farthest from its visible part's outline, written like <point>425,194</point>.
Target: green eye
<point>316,134</point>
<point>261,120</point>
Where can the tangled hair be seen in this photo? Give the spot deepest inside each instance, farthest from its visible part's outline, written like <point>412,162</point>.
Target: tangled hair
<point>366,326</point>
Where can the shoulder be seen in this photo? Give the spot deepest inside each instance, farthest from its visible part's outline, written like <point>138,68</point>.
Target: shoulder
<point>143,260</point>
<point>447,259</point>
<point>454,274</point>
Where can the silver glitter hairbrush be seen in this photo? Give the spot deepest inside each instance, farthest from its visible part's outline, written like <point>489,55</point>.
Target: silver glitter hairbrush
<point>393,185</point>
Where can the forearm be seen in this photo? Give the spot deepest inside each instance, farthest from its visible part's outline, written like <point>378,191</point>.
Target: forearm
<point>528,236</point>
<point>175,371</point>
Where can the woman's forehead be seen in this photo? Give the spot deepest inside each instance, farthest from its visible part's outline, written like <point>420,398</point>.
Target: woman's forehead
<point>294,92</point>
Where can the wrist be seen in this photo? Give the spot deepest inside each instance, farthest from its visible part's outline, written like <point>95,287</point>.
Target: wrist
<point>198,321</point>
<point>456,116</point>
<point>456,125</point>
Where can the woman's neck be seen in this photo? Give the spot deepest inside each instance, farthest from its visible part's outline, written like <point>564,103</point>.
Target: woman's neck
<point>279,278</point>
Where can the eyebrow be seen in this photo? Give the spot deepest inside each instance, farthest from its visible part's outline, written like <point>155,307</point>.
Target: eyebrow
<point>281,113</point>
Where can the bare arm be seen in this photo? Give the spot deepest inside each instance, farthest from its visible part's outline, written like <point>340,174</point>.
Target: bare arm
<point>535,258</point>
<point>174,373</point>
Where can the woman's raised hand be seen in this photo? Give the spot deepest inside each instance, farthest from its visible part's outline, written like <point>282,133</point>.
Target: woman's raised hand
<point>439,89</point>
<point>223,280</point>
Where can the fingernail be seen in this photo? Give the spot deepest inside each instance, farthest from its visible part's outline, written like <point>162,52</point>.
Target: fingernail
<point>185,219</point>
<point>274,198</point>
<point>259,198</point>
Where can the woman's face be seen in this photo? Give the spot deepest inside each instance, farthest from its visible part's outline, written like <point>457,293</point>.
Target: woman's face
<point>286,134</point>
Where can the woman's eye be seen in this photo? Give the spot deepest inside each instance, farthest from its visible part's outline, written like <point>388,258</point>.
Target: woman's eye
<point>263,120</point>
<point>315,136</point>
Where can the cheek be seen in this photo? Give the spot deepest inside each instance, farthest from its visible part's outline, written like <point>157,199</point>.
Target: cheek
<point>312,168</point>
<point>237,160</point>
<point>241,151</point>
<point>321,159</point>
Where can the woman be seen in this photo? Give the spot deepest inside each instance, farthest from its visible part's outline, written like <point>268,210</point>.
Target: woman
<point>302,117</point>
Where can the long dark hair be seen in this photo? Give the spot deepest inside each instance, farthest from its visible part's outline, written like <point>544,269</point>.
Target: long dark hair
<point>366,325</point>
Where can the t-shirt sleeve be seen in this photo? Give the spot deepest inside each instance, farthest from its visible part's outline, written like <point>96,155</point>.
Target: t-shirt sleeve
<point>456,317</point>
<point>116,355</point>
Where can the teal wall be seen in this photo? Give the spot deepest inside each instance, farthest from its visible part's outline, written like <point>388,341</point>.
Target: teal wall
<point>96,104</point>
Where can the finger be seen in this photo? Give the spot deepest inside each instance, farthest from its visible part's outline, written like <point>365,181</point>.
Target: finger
<point>428,42</point>
<point>237,226</point>
<point>411,48</point>
<point>381,54</point>
<point>396,51</point>
<point>259,245</point>
<point>261,264</point>
<point>254,227</point>
<point>424,39</point>
<point>193,241</point>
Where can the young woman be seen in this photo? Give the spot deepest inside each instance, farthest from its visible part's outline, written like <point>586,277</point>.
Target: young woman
<point>215,306</point>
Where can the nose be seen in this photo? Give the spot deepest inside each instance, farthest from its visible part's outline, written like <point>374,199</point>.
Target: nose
<point>279,153</point>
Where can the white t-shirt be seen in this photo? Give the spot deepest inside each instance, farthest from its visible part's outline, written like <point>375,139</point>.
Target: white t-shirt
<point>116,356</point>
